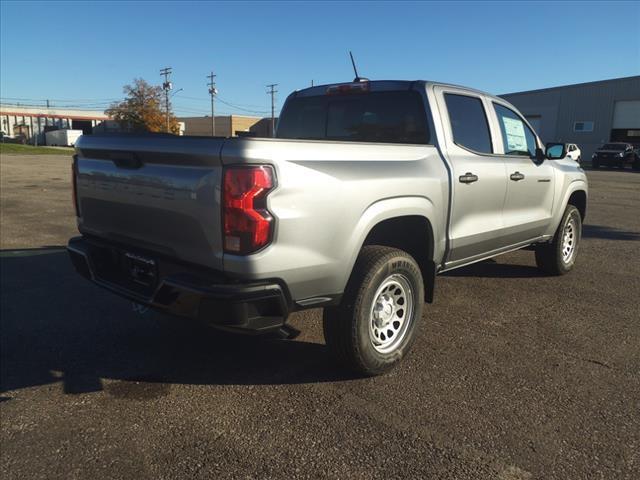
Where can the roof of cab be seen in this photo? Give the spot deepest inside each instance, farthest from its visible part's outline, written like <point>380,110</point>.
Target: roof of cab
<point>382,85</point>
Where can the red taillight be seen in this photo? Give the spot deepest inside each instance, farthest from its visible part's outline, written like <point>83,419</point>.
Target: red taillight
<point>247,222</point>
<point>74,184</point>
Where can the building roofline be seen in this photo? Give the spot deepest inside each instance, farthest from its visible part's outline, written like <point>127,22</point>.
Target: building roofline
<point>560,87</point>
<point>51,115</point>
<point>52,112</point>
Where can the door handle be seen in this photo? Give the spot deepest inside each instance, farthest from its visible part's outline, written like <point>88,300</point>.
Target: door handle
<point>516,177</point>
<point>468,178</point>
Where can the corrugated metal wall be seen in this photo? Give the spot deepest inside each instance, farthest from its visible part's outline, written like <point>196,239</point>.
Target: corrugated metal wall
<point>560,108</point>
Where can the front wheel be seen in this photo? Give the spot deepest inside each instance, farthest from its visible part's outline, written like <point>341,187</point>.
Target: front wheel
<point>558,256</point>
<point>375,324</point>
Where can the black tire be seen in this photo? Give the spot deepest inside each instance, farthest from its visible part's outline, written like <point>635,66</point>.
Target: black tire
<point>350,328</point>
<point>595,164</point>
<point>636,164</point>
<point>550,257</point>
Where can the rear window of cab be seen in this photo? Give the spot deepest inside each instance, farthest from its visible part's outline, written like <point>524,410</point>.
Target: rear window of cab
<point>379,117</point>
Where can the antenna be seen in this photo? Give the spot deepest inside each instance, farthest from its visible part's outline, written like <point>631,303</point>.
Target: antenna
<point>355,70</point>
<point>357,79</point>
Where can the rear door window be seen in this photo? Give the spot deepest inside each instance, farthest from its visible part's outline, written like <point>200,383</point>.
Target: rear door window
<point>469,124</point>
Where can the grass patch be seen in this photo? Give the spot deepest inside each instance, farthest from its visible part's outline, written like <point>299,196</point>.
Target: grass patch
<point>17,149</point>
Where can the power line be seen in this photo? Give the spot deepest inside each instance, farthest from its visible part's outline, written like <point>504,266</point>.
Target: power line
<point>243,109</point>
<point>90,100</point>
<point>61,107</point>
<point>49,103</point>
<point>272,91</point>
<point>235,104</point>
<point>99,103</point>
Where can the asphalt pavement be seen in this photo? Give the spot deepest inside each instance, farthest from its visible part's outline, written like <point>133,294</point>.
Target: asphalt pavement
<point>514,375</point>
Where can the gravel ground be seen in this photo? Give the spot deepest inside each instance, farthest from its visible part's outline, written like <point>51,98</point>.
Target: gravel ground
<point>514,375</point>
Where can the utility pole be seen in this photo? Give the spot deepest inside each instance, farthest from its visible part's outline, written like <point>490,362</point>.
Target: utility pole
<point>213,91</point>
<point>166,86</point>
<point>272,91</point>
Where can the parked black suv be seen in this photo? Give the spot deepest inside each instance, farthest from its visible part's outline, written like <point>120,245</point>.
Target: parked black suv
<point>616,154</point>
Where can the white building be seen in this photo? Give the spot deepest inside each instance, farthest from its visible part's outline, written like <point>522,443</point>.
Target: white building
<point>32,122</point>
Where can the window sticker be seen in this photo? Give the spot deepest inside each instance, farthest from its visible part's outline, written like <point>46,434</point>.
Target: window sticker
<point>516,140</point>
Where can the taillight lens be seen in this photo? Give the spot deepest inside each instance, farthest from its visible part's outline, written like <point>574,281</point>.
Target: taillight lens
<point>247,222</point>
<point>74,184</point>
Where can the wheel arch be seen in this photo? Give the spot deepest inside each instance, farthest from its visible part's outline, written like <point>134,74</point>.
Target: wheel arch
<point>575,192</point>
<point>578,199</point>
<point>402,223</point>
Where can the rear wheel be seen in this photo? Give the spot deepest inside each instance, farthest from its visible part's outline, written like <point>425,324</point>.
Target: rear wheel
<point>374,326</point>
<point>558,256</point>
<point>595,164</point>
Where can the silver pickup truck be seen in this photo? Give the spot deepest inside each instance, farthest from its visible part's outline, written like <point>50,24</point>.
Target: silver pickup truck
<point>369,190</point>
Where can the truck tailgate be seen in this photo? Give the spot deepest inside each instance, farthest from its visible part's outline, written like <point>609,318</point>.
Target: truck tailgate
<point>160,193</point>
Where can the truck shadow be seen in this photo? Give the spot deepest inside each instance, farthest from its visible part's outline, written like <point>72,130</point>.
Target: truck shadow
<point>57,327</point>
<point>608,233</point>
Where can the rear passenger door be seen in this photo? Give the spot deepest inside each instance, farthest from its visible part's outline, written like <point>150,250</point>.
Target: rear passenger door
<point>479,177</point>
<point>530,184</point>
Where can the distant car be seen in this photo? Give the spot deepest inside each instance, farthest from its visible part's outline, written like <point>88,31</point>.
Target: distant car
<point>573,152</point>
<point>617,154</point>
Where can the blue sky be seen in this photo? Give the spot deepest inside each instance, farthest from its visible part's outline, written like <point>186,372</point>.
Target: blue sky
<point>84,52</point>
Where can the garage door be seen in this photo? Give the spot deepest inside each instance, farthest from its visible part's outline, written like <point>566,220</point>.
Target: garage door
<point>626,114</point>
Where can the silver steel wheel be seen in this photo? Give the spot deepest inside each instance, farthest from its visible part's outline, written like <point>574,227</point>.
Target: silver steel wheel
<point>391,313</point>
<point>569,240</point>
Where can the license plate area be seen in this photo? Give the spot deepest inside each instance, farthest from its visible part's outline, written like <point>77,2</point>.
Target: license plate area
<point>142,270</point>
<point>129,270</point>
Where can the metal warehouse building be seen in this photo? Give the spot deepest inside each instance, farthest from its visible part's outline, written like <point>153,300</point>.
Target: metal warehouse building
<point>587,114</point>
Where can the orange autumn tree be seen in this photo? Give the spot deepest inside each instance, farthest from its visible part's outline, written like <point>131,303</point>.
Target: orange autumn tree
<point>142,109</point>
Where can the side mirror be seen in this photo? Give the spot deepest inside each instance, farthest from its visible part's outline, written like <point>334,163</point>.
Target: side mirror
<point>556,151</point>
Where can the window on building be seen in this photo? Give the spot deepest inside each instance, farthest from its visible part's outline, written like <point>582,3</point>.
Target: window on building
<point>583,127</point>
<point>517,137</point>
<point>469,122</point>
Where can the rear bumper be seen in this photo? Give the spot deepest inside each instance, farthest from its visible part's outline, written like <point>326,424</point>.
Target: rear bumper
<point>185,290</point>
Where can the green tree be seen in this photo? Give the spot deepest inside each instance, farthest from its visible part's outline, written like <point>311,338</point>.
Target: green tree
<point>142,109</point>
